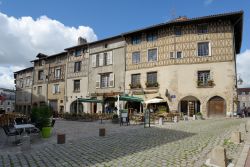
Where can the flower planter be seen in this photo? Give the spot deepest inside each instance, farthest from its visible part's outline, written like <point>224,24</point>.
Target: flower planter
<point>46,132</point>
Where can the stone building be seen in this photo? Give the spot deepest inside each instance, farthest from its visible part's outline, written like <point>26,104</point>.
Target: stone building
<point>40,81</point>
<point>106,72</point>
<point>187,63</point>
<point>244,98</point>
<point>7,100</point>
<point>23,81</point>
<point>77,78</point>
<point>56,81</point>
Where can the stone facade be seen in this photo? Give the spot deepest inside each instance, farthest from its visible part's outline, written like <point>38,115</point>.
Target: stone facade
<point>56,84</point>
<point>24,82</point>
<point>177,75</point>
<point>107,71</point>
<point>244,98</point>
<point>77,78</point>
<point>40,81</point>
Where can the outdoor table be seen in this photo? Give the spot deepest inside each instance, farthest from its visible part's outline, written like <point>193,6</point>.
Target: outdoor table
<point>24,126</point>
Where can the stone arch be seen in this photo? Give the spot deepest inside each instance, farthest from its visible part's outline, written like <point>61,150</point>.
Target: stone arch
<point>73,107</point>
<point>189,105</point>
<point>161,106</point>
<point>216,107</point>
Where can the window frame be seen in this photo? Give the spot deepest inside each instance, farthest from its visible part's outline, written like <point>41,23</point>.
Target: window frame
<point>176,29</point>
<point>39,90</point>
<point>135,40</point>
<point>75,67</point>
<point>40,77</point>
<point>200,29</point>
<point>204,81</point>
<point>153,83</point>
<point>209,48</point>
<point>74,85</point>
<point>152,36</point>
<point>177,54</point>
<point>136,55</point>
<point>156,54</point>
<point>138,80</point>
<point>57,77</point>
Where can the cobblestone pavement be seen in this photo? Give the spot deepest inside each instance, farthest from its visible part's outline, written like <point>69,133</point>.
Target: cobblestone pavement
<point>173,144</point>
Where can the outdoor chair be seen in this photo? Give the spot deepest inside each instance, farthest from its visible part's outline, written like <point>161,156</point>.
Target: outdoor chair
<point>10,132</point>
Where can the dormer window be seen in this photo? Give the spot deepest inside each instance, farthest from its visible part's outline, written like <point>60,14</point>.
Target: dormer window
<point>136,40</point>
<point>202,29</point>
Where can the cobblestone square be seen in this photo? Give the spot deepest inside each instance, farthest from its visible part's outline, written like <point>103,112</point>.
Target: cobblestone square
<point>186,143</point>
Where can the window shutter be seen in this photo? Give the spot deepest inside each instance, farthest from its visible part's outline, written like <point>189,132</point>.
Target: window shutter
<point>110,57</point>
<point>58,88</point>
<point>53,89</point>
<point>94,60</point>
<point>111,80</point>
<point>98,79</point>
<point>101,59</point>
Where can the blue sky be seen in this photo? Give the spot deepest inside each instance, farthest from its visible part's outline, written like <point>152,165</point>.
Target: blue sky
<point>111,17</point>
<point>49,26</point>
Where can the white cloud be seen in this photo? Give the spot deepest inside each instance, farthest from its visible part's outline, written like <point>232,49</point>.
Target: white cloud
<point>6,76</point>
<point>208,2</point>
<point>23,38</point>
<point>243,63</point>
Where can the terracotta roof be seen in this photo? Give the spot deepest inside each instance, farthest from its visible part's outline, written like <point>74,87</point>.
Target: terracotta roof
<point>26,69</point>
<point>243,90</point>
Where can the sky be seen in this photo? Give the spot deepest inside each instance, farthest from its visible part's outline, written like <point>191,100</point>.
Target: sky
<point>28,27</point>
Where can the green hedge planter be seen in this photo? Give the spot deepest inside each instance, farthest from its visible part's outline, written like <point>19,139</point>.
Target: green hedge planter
<point>46,132</point>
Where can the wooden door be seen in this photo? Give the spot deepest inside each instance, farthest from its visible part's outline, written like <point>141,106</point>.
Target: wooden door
<point>216,107</point>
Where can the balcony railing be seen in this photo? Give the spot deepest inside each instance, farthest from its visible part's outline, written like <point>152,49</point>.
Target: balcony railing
<point>152,85</point>
<point>134,86</point>
<point>209,83</point>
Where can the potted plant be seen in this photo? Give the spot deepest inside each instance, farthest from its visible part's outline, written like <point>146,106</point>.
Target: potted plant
<point>210,82</point>
<point>198,115</point>
<point>199,83</point>
<point>41,116</point>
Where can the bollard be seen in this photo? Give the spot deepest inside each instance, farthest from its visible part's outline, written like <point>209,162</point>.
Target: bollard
<point>236,137</point>
<point>218,157</point>
<point>160,121</point>
<point>60,138</point>
<point>25,143</point>
<point>102,132</point>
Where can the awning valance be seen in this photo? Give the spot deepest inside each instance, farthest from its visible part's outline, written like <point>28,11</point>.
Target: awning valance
<point>90,100</point>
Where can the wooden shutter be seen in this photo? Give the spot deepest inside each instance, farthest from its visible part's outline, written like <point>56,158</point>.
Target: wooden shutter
<point>101,59</point>
<point>94,60</point>
<point>58,88</point>
<point>98,80</point>
<point>110,57</point>
<point>53,89</point>
<point>111,80</point>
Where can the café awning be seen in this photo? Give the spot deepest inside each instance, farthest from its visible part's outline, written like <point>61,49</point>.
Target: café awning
<point>130,98</point>
<point>90,100</point>
<point>155,100</point>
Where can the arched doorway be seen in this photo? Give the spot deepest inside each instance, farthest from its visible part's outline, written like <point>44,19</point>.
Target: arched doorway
<point>189,105</point>
<point>109,104</point>
<point>74,106</point>
<point>216,107</point>
<point>157,104</point>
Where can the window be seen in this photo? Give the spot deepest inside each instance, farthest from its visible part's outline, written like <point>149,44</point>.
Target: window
<point>58,73</point>
<point>171,55</point>
<point>152,55</point>
<point>136,40</point>
<point>21,83</point>
<point>76,85</point>
<point>152,79</point>
<point>40,75</point>
<point>135,80</point>
<point>179,54</point>
<point>151,37</point>
<point>55,89</point>
<point>105,59</point>
<point>41,62</point>
<point>8,103</point>
<point>203,49</point>
<point>177,31</point>
<point>202,29</point>
<point>77,67</point>
<point>136,58</point>
<point>28,81</point>
<point>203,78</point>
<point>78,53</point>
<point>106,80</point>
<point>39,90</point>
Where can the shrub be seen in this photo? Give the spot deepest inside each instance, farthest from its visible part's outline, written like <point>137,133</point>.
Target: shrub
<point>41,116</point>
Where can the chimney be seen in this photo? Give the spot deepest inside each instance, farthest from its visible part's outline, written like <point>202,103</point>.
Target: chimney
<point>181,18</point>
<point>81,41</point>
